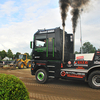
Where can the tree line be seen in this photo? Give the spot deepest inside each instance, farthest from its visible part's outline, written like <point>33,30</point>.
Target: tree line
<point>86,48</point>
<point>10,54</point>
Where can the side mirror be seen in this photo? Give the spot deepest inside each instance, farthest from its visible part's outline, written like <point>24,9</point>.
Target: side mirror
<point>31,44</point>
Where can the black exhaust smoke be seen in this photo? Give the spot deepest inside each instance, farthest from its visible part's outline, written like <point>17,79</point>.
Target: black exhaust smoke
<point>64,5</point>
<point>75,12</point>
<point>76,5</point>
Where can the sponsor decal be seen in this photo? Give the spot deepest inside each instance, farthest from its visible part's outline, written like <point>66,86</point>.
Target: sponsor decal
<point>98,54</point>
<point>81,63</point>
<point>72,74</point>
<point>79,67</point>
<point>50,39</point>
<point>63,73</point>
<point>80,57</point>
<point>75,76</point>
<point>49,31</point>
<point>37,56</point>
<point>40,49</point>
<point>40,64</point>
<point>96,62</point>
<point>98,51</point>
<point>97,58</point>
<point>69,64</point>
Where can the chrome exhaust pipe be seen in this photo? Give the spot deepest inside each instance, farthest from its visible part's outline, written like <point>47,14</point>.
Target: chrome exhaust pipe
<point>63,44</point>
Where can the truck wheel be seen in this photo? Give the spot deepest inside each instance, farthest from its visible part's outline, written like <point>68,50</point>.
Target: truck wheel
<point>94,80</point>
<point>29,64</point>
<point>41,76</point>
<point>21,65</point>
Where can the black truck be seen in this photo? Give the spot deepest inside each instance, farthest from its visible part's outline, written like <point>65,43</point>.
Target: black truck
<point>47,49</point>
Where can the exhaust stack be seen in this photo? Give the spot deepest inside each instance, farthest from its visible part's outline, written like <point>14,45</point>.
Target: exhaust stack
<point>73,43</point>
<point>63,44</point>
<point>75,12</point>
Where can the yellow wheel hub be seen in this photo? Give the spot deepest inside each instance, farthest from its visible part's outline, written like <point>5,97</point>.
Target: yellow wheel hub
<point>29,65</point>
<point>22,65</point>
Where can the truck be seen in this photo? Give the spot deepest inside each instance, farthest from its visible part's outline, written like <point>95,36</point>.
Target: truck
<point>47,55</point>
<point>22,61</point>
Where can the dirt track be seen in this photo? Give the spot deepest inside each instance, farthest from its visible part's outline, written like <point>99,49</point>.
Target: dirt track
<point>55,89</point>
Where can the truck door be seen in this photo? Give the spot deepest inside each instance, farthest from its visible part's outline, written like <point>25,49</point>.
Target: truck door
<point>50,46</point>
<point>40,47</point>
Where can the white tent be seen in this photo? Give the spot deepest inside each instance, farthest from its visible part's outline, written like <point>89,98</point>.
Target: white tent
<point>6,58</point>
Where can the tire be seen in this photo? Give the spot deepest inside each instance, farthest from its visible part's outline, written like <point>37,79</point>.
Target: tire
<point>29,64</point>
<point>41,76</point>
<point>21,65</point>
<point>94,80</point>
<point>17,64</point>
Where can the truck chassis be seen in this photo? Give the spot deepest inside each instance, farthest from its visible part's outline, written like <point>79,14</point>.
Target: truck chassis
<point>47,60</point>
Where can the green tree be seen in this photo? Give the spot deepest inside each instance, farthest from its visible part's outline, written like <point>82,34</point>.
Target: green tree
<point>0,55</point>
<point>98,49</point>
<point>10,54</point>
<point>3,54</point>
<point>76,52</point>
<point>88,48</point>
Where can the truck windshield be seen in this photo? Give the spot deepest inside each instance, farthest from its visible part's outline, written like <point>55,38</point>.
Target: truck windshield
<point>22,57</point>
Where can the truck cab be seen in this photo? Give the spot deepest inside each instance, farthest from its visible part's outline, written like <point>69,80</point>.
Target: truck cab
<point>47,59</point>
<point>48,45</point>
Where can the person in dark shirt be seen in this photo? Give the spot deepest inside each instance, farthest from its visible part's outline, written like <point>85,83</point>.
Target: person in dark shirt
<point>45,43</point>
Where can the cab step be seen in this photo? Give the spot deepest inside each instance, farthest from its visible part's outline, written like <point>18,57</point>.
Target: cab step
<point>51,77</point>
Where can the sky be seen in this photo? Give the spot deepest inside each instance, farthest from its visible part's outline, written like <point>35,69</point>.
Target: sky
<point>20,19</point>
